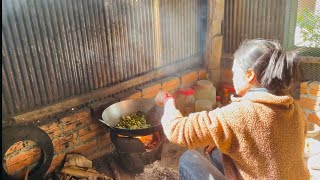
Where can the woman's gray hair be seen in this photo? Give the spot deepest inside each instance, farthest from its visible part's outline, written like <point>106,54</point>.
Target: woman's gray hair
<point>275,69</point>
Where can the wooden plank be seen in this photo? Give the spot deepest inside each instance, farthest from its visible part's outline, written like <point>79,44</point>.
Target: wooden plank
<point>191,62</point>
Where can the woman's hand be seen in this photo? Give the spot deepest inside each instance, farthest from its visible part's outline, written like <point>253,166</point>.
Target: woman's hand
<point>162,98</point>
<point>208,149</point>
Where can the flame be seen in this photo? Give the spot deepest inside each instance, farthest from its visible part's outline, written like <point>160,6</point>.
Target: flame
<point>150,141</point>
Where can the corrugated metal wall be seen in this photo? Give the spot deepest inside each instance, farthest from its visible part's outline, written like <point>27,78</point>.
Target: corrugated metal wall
<point>248,19</point>
<point>55,49</point>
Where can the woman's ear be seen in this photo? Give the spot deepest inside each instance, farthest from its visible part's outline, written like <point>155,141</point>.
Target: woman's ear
<point>251,75</point>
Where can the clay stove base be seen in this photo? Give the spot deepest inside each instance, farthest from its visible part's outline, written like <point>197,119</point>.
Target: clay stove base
<point>167,168</point>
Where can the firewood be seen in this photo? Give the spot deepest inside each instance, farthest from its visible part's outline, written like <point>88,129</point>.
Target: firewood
<point>82,172</point>
<point>77,160</point>
<point>27,173</point>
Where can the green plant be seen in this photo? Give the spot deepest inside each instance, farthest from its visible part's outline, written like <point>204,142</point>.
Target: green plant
<point>309,23</point>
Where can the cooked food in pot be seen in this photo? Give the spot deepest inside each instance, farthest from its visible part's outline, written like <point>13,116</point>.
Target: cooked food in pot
<point>134,121</point>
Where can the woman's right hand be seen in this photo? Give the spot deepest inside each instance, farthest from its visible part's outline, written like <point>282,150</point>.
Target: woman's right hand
<point>162,98</point>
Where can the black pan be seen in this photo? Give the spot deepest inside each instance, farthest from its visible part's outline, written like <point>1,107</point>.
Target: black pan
<point>111,116</point>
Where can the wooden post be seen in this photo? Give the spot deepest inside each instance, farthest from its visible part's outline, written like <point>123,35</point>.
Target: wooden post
<point>213,48</point>
<point>157,33</point>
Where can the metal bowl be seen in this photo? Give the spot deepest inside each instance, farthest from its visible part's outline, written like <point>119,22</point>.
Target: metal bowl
<point>112,115</point>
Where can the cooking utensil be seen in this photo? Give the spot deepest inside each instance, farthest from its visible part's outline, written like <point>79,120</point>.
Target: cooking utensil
<point>111,116</point>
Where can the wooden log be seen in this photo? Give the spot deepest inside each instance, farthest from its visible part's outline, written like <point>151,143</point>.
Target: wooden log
<point>82,172</point>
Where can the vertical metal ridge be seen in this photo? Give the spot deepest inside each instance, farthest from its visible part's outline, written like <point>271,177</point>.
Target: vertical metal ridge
<point>75,48</point>
<point>64,50</point>
<point>7,78</point>
<point>104,48</point>
<point>112,42</point>
<point>55,69</point>
<point>69,47</point>
<point>27,70</point>
<point>45,36</point>
<point>85,85</point>
<point>140,45</point>
<point>86,52</point>
<point>99,45</point>
<point>132,39</point>
<point>124,40</point>
<point>12,63</point>
<point>115,26</point>
<point>7,95</point>
<point>149,39</point>
<point>94,44</point>
<point>46,58</point>
<point>124,35</point>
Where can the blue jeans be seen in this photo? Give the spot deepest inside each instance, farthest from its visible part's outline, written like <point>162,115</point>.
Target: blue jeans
<point>194,166</point>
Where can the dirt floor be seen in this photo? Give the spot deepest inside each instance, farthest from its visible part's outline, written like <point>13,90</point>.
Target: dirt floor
<point>167,168</point>
<point>164,169</point>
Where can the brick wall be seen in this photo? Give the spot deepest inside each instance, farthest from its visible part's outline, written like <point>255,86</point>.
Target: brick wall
<point>310,100</point>
<point>81,133</point>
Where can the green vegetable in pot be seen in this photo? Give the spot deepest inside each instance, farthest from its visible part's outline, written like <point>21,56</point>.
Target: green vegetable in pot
<point>133,121</point>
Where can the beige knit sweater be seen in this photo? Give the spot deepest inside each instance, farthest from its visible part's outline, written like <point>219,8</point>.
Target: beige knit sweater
<point>261,135</point>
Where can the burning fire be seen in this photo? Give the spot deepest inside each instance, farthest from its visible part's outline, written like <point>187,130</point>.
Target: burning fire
<point>150,141</point>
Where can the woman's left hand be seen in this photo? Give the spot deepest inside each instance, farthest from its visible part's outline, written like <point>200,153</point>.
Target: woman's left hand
<point>208,149</point>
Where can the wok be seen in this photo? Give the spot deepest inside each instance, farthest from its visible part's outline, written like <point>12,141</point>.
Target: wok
<point>112,115</point>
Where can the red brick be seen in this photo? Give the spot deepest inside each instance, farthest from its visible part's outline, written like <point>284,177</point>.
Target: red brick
<point>22,156</point>
<point>14,148</point>
<point>79,115</point>
<point>59,148</point>
<point>56,162</point>
<point>303,91</point>
<point>315,85</point>
<point>202,74</point>
<point>24,163</point>
<point>150,95</point>
<point>309,106</point>
<point>150,89</point>
<point>104,140</point>
<point>69,127</point>
<point>90,135</point>
<point>86,120</point>
<point>99,152</point>
<point>54,134</point>
<point>50,127</point>
<point>304,84</point>
<point>314,118</point>
<point>92,127</point>
<point>170,83</point>
<point>65,142</point>
<point>131,94</point>
<point>188,77</point>
<point>83,147</point>
<point>313,92</point>
<point>310,99</point>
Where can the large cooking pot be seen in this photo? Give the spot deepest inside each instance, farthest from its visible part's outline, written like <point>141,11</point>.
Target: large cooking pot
<point>112,115</point>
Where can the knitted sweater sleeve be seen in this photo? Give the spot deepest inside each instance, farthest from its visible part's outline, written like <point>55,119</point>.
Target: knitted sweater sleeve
<point>198,129</point>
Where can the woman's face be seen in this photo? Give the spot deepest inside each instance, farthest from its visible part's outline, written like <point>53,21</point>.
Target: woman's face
<point>240,79</point>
